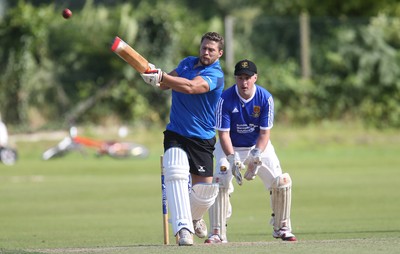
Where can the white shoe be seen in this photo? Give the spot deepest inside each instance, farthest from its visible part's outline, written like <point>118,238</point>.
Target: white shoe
<point>285,234</point>
<point>185,237</point>
<point>215,239</point>
<point>200,228</point>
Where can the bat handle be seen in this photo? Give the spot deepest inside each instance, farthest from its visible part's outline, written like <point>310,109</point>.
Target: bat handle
<point>149,71</point>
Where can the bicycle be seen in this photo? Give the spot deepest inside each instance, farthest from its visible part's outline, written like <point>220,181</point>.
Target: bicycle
<point>114,149</point>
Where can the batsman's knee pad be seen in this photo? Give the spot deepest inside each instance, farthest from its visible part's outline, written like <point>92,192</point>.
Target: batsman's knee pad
<point>218,214</point>
<point>202,197</point>
<point>281,199</point>
<point>176,173</point>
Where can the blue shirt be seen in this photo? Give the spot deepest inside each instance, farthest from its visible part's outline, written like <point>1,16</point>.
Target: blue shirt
<point>193,115</point>
<point>244,118</point>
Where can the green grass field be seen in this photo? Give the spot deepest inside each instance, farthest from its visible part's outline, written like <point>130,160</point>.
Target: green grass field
<point>345,198</point>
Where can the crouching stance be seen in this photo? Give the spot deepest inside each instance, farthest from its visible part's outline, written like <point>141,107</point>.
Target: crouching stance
<point>245,115</point>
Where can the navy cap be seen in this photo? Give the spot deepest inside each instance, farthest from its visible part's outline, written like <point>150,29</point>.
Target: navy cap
<point>245,67</point>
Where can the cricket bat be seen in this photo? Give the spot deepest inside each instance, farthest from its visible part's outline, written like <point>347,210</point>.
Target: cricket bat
<point>127,53</point>
<point>164,204</point>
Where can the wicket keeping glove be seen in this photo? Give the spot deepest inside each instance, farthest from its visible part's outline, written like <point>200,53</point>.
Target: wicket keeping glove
<point>253,162</point>
<point>236,165</point>
<point>153,76</point>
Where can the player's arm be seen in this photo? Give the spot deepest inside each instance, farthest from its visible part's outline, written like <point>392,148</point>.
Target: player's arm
<point>223,124</point>
<point>226,142</point>
<point>263,139</point>
<point>195,86</point>
<point>163,86</point>
<point>266,123</point>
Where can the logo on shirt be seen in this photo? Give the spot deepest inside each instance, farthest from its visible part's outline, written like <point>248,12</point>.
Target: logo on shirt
<point>244,128</point>
<point>201,169</point>
<point>256,111</point>
<point>235,110</point>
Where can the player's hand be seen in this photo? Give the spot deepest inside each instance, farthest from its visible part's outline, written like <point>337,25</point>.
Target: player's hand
<point>152,66</point>
<point>236,165</point>
<point>153,76</point>
<point>251,172</point>
<point>253,162</point>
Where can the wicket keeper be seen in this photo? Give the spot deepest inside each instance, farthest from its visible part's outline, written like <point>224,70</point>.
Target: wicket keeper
<point>245,115</point>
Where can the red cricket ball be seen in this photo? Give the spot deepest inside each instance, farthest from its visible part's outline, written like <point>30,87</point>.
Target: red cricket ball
<point>67,13</point>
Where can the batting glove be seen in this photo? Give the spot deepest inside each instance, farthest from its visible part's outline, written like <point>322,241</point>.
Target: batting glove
<point>153,76</point>
<point>253,162</point>
<point>236,165</point>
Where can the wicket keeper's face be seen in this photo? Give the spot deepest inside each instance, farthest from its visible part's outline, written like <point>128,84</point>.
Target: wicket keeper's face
<point>245,85</point>
<point>209,52</point>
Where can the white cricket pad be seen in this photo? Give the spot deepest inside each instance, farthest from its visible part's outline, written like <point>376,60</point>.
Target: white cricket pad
<point>202,197</point>
<point>176,172</point>
<point>218,213</point>
<point>281,199</point>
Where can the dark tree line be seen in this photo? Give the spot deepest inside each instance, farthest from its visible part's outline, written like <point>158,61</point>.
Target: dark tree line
<point>56,72</point>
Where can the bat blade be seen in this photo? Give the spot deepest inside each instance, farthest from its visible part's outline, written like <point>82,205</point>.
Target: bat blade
<point>129,55</point>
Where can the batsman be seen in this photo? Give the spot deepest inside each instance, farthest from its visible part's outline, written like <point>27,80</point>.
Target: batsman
<point>244,118</point>
<point>189,139</point>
